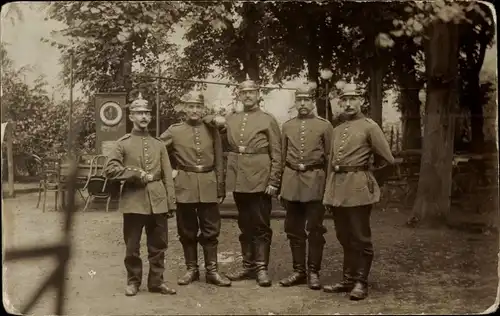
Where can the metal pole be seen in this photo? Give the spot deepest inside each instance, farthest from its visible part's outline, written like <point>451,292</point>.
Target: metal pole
<point>70,100</point>
<point>326,103</point>
<point>209,82</point>
<point>158,101</point>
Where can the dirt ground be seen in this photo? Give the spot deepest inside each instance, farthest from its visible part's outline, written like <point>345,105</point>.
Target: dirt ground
<point>437,271</point>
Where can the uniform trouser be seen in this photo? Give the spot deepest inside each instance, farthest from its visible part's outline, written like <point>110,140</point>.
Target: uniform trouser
<point>352,225</point>
<point>254,221</point>
<point>304,224</point>
<point>157,241</point>
<point>193,218</point>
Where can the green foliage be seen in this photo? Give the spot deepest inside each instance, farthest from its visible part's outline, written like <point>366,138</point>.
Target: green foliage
<point>40,126</point>
<point>106,38</point>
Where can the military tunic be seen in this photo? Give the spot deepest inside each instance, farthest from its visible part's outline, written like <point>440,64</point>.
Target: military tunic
<point>253,131</point>
<point>353,143</point>
<point>196,145</point>
<point>135,152</point>
<point>305,141</point>
<point>143,205</point>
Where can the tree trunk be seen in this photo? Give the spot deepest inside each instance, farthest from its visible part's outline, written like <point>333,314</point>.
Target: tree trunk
<point>250,39</point>
<point>313,58</point>
<point>410,102</point>
<point>412,133</point>
<point>474,102</point>
<point>410,111</point>
<point>376,71</point>
<point>434,186</point>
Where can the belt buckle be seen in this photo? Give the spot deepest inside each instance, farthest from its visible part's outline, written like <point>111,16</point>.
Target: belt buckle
<point>198,167</point>
<point>241,149</point>
<point>336,168</point>
<point>302,167</point>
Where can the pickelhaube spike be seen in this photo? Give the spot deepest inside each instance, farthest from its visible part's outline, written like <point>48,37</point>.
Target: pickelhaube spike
<point>306,90</point>
<point>194,96</point>
<point>248,85</point>
<point>140,104</point>
<point>350,89</point>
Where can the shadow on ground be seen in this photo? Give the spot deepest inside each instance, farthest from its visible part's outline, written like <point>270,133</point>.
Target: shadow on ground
<point>415,270</point>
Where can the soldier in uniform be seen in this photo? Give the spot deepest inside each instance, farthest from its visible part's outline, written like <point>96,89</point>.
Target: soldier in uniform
<point>253,175</point>
<point>351,190</point>
<point>148,197</point>
<point>196,154</point>
<point>306,143</point>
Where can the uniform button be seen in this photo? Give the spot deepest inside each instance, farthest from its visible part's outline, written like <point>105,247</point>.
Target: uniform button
<point>241,142</point>
<point>241,135</point>
<point>302,138</point>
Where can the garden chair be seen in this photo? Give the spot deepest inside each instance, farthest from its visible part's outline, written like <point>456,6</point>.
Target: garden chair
<point>51,180</point>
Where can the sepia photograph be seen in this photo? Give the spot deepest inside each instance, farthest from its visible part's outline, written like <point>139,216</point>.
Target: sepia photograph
<point>249,157</point>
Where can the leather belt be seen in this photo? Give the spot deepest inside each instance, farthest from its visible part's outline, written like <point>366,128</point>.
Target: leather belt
<point>344,169</point>
<point>196,168</point>
<point>156,177</point>
<point>244,150</point>
<point>302,167</point>
<point>137,184</point>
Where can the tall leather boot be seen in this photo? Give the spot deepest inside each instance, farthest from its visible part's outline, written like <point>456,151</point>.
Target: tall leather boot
<point>212,275</point>
<point>348,271</point>
<point>314,258</point>
<point>248,270</point>
<point>360,290</point>
<point>261,263</point>
<point>298,275</point>
<point>191,258</point>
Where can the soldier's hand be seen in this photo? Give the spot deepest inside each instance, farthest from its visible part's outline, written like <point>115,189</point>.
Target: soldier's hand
<point>144,177</point>
<point>170,213</point>
<point>219,120</point>
<point>282,201</point>
<point>221,199</point>
<point>174,173</point>
<point>329,209</point>
<point>271,190</point>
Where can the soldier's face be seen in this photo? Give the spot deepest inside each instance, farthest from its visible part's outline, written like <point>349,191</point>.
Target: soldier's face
<point>194,111</point>
<point>249,98</point>
<point>141,119</point>
<point>304,105</point>
<point>350,105</point>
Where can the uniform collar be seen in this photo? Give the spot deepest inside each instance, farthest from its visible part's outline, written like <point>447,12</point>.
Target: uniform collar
<point>193,123</point>
<point>308,116</point>
<point>140,133</point>
<point>254,109</point>
<point>354,117</point>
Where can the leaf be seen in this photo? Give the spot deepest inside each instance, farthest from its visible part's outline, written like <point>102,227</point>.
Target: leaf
<point>417,26</point>
<point>397,33</point>
<point>384,40</point>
